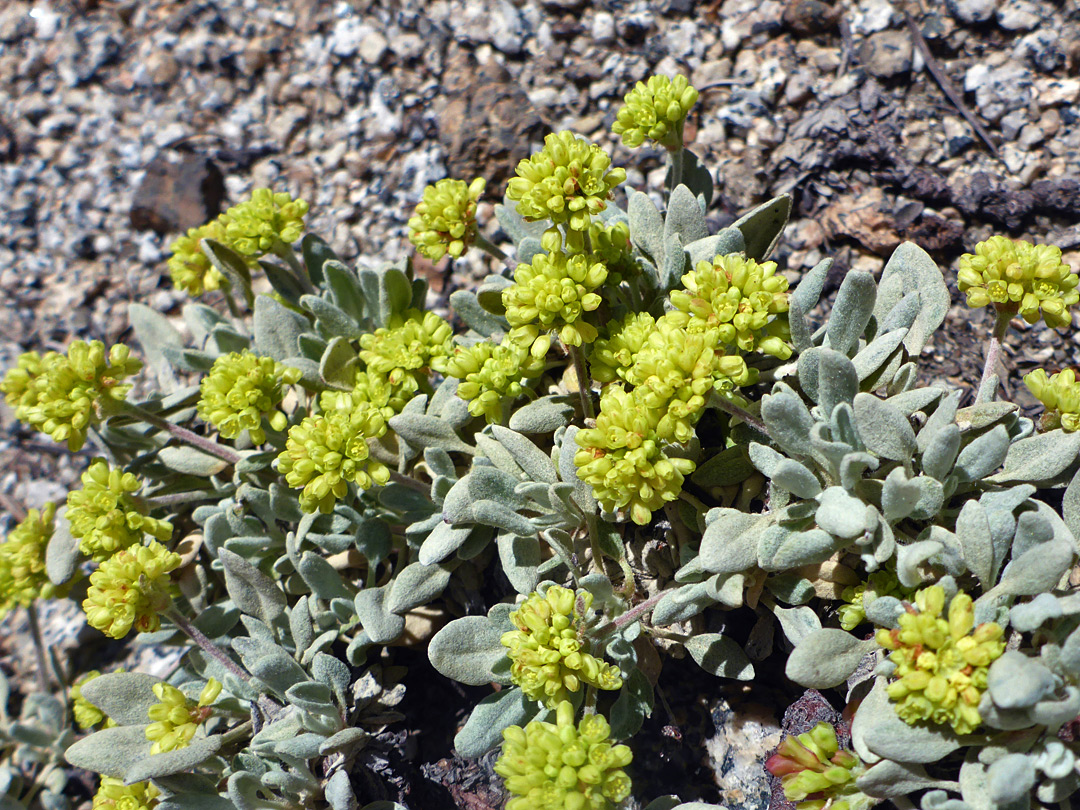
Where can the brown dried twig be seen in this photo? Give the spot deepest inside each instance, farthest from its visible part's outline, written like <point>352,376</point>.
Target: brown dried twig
<point>946,85</point>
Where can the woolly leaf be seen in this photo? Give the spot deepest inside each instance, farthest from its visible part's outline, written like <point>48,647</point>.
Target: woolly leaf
<point>467,650</point>
<point>277,329</point>
<point>62,555</point>
<point>483,730</point>
<point>126,697</point>
<point>1039,458</point>
<point>535,462</point>
<point>762,227</point>
<point>838,380</point>
<point>545,415</point>
<point>520,558</point>
<point>183,458</point>
<point>796,479</point>
<point>730,541</point>
<point>320,576</point>
<point>885,430</point>
<point>840,513</point>
<point>720,656</point>
<point>876,354</point>
<point>826,658</point>
<point>253,592</point>
<point>788,420</point>
<point>808,291</point>
<point>111,751</point>
<point>443,541</point>
<point>332,319</point>
<point>381,625</point>
<point>984,455</point>
<point>169,762</point>
<point>877,728</point>
<point>421,431</point>
<point>851,312</point>
<point>729,240</point>
<point>646,225</point>
<point>466,305</point>
<point>919,274</point>
<point>893,780</point>
<point>973,533</point>
<point>684,217</point>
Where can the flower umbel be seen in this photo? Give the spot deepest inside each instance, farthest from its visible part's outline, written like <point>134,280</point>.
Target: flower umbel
<point>413,341</point>
<point>549,650</point>
<point>175,718</point>
<point>656,110</point>
<point>563,766</point>
<point>324,454</point>
<point>113,794</point>
<point>22,560</point>
<point>492,375</point>
<point>742,299</point>
<point>240,390</point>
<point>104,516</point>
<point>553,293</point>
<point>374,389</point>
<point>568,181</point>
<point>1017,276</point>
<point>86,713</point>
<point>265,222</point>
<point>445,219</point>
<point>130,589</point>
<point>623,458</point>
<point>880,583</point>
<point>189,267</point>
<point>941,662</point>
<point>60,394</point>
<point>1060,395</point>
<point>816,774</point>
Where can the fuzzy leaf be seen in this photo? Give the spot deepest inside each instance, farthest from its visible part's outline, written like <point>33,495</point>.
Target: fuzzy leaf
<point>788,420</point>
<point>799,326</point>
<point>919,273</point>
<point>339,363</point>
<point>646,226</point>
<point>277,329</point>
<point>111,751</point>
<point>796,549</point>
<point>545,415</point>
<point>885,430</point>
<point>808,290</point>
<point>171,762</point>
<point>489,294</point>
<point>188,460</point>
<point>536,463</point>
<point>797,622</point>
<point>126,697</point>
<point>851,312</point>
<point>729,240</point>
<point>684,217</point>
<point>899,495</point>
<point>332,318</point>
<point>467,649</point>
<point>730,466</point>
<point>941,451</point>
<point>443,541</point>
<point>1042,457</point>
<point>62,555</point>
<point>838,380</point>
<point>876,354</point>
<point>796,479</point>
<point>676,263</point>
<point>762,227</point>
<point>421,431</point>
<point>466,305</point>
<point>826,658</point>
<point>325,582</point>
<point>720,656</point>
<point>483,730</point>
<point>378,622</point>
<point>253,592</point>
<point>879,729</point>
<point>893,780</point>
<point>973,533</point>
<point>1036,570</point>
<point>840,513</point>
<point>520,558</point>
<point>161,343</point>
<point>1010,779</point>
<point>984,455</point>
<point>1070,505</point>
<point>730,541</point>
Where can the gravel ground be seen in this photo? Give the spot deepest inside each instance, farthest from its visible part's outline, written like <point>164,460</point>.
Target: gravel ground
<point>124,121</point>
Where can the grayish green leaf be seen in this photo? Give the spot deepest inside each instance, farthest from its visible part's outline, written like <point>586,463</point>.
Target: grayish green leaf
<point>921,274</point>
<point>253,592</point>
<point>126,697</point>
<point>762,227</point>
<point>381,625</point>
<point>1042,457</point>
<point>646,225</point>
<point>417,584</point>
<point>170,762</point>
<point>111,751</point>
<point>851,312</point>
<point>545,415</point>
<point>421,431</point>
<point>520,558</point>
<point>720,656</point>
<point>878,729</point>
<point>840,514</point>
<point>467,650</point>
<point>485,725</point>
<point>277,329</point>
<point>62,555</point>
<point>884,430</point>
<point>808,291</point>
<point>984,455</point>
<point>826,658</point>
<point>876,354</point>
<point>184,458</point>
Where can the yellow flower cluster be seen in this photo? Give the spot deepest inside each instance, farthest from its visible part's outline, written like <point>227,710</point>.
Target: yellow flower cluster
<point>553,293</point>
<point>374,389</point>
<point>240,390</point>
<point>549,650</point>
<point>880,583</point>
<point>568,181</point>
<point>113,794</point>
<point>656,110</point>
<point>816,774</point>
<point>623,457</point>
<point>60,394</point>
<point>941,661</point>
<point>1060,395</point>
<point>445,219</point>
<point>86,713</point>
<point>1017,276</point>
<point>264,223</point>
<point>563,765</point>
<point>492,375</point>
<point>189,267</point>
<point>22,560</point>
<point>175,718</point>
<point>413,342</point>
<point>742,299</point>
<point>104,515</point>
<point>131,589</point>
<point>324,454</point>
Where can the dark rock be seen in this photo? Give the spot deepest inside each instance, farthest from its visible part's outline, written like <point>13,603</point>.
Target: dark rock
<point>1060,196</point>
<point>485,119</point>
<point>809,17</point>
<point>886,54</point>
<point>983,197</point>
<point>935,234</point>
<point>177,192</point>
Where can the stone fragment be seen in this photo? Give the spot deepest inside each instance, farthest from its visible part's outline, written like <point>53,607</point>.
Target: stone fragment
<point>1019,15</point>
<point>972,11</point>
<point>9,148</point>
<point>809,17</point>
<point>886,54</point>
<point>485,119</point>
<point>177,192</point>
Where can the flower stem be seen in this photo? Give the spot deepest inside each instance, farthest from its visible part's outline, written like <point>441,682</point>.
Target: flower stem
<point>191,496</point>
<point>633,614</point>
<point>582,381</point>
<point>993,351</point>
<point>179,433</point>
<point>410,482</point>
<point>731,409</point>
<point>39,648</point>
<point>288,255</point>
<point>676,158</point>
<point>206,645</point>
<point>495,251</point>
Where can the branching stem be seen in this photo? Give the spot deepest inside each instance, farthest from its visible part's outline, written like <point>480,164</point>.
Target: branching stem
<point>39,648</point>
<point>633,614</point>
<point>179,433</point>
<point>582,381</point>
<point>731,409</point>
<point>496,252</point>
<point>206,645</point>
